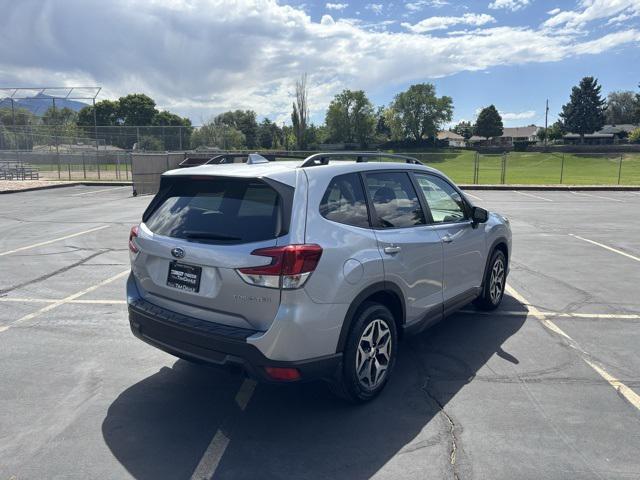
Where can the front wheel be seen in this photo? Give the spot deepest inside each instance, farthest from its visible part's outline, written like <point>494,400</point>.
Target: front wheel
<point>494,282</point>
<point>369,355</point>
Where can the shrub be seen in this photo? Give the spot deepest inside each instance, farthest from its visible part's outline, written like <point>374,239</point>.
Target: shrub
<point>634,136</point>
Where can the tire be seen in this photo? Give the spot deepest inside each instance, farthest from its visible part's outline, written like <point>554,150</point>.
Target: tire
<point>495,280</point>
<point>373,322</point>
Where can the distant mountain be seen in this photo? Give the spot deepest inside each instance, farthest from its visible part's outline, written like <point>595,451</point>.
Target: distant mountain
<point>39,104</point>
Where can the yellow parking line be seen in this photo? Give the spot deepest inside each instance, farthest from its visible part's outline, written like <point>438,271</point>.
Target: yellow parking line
<point>35,245</point>
<point>68,299</point>
<point>607,247</point>
<point>631,396</point>
<point>525,313</point>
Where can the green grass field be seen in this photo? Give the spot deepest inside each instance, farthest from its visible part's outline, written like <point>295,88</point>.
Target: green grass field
<point>536,168</point>
<point>525,168</point>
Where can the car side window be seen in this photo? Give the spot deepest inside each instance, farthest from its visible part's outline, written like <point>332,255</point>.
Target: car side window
<point>444,201</point>
<point>394,199</point>
<point>344,201</point>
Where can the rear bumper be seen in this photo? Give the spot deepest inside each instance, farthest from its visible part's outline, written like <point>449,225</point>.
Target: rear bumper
<point>216,344</point>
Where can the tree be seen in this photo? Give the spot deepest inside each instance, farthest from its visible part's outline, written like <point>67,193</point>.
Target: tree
<point>556,131</point>
<point>489,123</point>
<point>173,138</point>
<point>59,116</point>
<point>136,109</point>
<point>19,137</point>
<point>107,113</point>
<point>300,114</point>
<point>585,111</point>
<point>243,121</point>
<point>218,135</point>
<point>464,129</point>
<point>621,107</point>
<point>636,117</point>
<point>419,113</point>
<point>383,129</point>
<point>269,135</point>
<point>150,143</point>
<point>350,118</point>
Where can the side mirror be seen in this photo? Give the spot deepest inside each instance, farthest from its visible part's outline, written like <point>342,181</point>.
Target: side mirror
<point>479,215</point>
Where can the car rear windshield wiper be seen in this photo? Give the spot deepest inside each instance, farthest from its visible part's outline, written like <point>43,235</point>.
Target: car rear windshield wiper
<point>208,235</point>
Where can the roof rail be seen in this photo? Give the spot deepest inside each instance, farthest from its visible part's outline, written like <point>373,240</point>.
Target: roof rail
<point>249,158</point>
<point>323,158</point>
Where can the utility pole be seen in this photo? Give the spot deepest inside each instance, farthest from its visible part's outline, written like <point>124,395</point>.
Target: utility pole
<point>546,119</point>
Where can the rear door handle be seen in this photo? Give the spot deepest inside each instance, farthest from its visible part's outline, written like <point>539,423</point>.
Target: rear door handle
<point>447,238</point>
<point>391,249</point>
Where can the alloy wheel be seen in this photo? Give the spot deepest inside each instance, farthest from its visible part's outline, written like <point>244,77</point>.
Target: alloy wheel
<point>374,354</point>
<point>496,282</point>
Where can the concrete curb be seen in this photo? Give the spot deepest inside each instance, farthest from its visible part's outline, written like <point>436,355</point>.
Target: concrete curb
<point>70,184</point>
<point>559,188</point>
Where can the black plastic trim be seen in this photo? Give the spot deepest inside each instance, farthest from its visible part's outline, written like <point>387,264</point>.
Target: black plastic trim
<point>215,344</point>
<point>384,286</point>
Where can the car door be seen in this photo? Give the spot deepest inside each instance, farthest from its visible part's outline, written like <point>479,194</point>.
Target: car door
<point>411,248</point>
<point>464,244</point>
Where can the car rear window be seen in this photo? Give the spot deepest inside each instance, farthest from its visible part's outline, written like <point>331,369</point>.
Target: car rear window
<point>217,210</point>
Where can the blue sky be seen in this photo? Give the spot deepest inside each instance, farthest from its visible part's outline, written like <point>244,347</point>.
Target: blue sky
<point>201,57</point>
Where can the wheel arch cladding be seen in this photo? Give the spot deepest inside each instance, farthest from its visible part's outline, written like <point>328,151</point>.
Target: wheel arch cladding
<point>385,293</point>
<point>498,244</point>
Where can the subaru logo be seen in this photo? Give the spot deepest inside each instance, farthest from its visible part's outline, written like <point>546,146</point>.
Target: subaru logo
<point>177,252</point>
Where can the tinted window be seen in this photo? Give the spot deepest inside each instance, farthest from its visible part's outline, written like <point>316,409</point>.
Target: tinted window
<point>217,210</point>
<point>344,201</point>
<point>394,199</point>
<point>444,201</point>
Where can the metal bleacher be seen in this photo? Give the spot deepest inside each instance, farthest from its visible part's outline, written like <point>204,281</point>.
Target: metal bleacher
<point>18,171</point>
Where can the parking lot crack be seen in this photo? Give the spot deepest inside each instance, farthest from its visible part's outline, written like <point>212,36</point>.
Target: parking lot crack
<point>4,291</point>
<point>452,427</point>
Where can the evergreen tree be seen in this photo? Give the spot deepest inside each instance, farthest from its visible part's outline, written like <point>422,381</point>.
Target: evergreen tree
<point>489,123</point>
<point>585,111</point>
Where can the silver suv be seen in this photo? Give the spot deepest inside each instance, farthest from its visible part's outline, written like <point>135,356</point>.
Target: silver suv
<point>312,269</point>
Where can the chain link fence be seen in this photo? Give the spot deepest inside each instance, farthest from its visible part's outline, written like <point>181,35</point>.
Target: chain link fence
<point>463,166</point>
<point>90,165</point>
<point>536,168</point>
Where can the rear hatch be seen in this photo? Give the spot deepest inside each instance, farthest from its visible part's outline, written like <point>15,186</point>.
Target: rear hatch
<point>197,232</point>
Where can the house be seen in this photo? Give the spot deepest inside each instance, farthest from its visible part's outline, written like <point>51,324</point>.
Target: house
<point>589,138</point>
<point>451,138</point>
<point>609,134</point>
<point>509,136</point>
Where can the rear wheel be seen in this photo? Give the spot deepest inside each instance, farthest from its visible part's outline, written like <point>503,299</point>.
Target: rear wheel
<point>494,282</point>
<point>369,354</point>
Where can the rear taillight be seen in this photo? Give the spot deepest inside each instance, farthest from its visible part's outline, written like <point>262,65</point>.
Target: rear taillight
<point>133,234</point>
<point>290,266</point>
<point>283,374</point>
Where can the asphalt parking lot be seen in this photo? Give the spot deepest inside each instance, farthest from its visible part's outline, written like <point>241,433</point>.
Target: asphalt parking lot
<point>545,388</point>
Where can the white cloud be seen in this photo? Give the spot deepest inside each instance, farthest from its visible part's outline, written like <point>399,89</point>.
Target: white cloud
<point>418,5</point>
<point>554,11</point>
<point>518,115</point>
<point>442,23</point>
<point>592,10</point>
<point>336,6</point>
<point>375,7</point>
<point>200,57</point>
<point>512,5</point>
<point>327,20</point>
